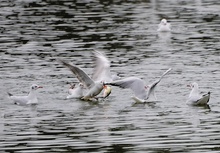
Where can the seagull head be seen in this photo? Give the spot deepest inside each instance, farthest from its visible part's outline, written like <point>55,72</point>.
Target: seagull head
<point>81,85</point>
<point>35,87</point>
<point>147,87</point>
<point>163,21</point>
<point>193,85</point>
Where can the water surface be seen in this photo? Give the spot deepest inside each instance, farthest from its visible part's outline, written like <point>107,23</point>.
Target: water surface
<point>34,34</point>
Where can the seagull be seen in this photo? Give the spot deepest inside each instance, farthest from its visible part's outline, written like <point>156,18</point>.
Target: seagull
<point>164,26</point>
<point>94,88</point>
<point>195,98</point>
<point>141,91</point>
<point>102,72</point>
<point>75,91</point>
<point>31,98</point>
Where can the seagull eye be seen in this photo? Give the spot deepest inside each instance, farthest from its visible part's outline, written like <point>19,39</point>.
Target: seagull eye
<point>34,87</point>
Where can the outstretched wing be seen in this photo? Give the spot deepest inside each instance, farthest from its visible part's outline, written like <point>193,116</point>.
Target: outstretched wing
<point>135,84</point>
<point>167,71</point>
<point>102,68</point>
<point>153,85</point>
<point>80,74</point>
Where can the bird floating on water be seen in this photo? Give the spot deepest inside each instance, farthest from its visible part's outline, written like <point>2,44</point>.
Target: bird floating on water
<point>75,91</point>
<point>195,98</point>
<point>31,98</point>
<point>164,26</point>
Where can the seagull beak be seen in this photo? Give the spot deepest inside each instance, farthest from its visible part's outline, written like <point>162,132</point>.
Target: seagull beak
<point>188,85</point>
<point>39,87</point>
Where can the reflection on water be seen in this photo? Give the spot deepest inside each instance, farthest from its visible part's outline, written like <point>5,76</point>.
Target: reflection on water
<point>34,34</point>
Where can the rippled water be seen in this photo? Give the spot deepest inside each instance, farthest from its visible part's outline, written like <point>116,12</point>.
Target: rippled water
<point>35,33</point>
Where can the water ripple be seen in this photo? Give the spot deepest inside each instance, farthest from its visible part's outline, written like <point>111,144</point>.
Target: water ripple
<point>34,34</point>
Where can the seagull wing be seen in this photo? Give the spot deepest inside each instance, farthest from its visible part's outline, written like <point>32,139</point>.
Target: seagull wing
<point>19,99</point>
<point>80,74</point>
<point>102,68</point>
<point>167,71</point>
<point>154,84</point>
<point>135,84</point>
<point>204,100</point>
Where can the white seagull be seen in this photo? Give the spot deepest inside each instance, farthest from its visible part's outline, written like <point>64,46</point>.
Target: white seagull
<point>31,98</point>
<point>75,91</point>
<point>195,98</point>
<point>94,88</point>
<point>137,85</point>
<point>164,26</point>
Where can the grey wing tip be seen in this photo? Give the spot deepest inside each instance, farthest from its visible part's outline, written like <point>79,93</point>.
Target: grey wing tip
<point>168,70</point>
<point>65,63</point>
<point>10,94</point>
<point>207,94</point>
<point>62,61</point>
<point>96,53</point>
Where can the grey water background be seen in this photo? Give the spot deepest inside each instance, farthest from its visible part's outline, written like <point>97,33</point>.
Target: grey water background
<point>35,33</point>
